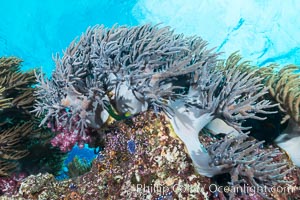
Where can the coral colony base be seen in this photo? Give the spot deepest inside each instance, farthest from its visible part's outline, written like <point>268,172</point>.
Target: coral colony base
<point>170,117</point>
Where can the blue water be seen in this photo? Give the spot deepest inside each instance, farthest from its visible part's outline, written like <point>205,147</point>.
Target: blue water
<point>263,31</point>
<point>34,30</point>
<point>86,153</point>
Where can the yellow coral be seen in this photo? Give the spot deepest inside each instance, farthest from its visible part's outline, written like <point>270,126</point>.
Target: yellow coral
<point>4,102</point>
<point>284,87</point>
<point>9,64</point>
<point>283,83</point>
<point>9,147</point>
<point>16,100</point>
<point>15,84</point>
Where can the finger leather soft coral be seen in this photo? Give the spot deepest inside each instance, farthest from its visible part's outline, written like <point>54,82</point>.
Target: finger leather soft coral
<point>230,95</point>
<point>119,72</point>
<point>283,83</point>
<point>283,86</point>
<point>248,163</point>
<point>123,71</point>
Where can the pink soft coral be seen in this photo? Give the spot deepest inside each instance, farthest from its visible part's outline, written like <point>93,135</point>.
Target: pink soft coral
<point>67,138</point>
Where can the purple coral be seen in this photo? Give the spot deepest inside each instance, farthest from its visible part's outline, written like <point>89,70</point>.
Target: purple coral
<point>66,140</point>
<point>68,137</point>
<point>10,185</point>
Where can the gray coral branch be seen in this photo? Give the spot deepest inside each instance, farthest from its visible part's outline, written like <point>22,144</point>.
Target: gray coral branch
<point>248,163</point>
<point>127,69</point>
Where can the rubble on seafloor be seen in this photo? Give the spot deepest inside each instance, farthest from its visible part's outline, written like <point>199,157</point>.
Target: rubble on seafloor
<point>143,159</point>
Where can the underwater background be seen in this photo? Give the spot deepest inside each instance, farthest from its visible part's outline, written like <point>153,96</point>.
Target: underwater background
<point>264,32</point>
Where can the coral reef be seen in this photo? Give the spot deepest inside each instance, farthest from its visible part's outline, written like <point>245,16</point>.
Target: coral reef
<point>247,163</point>
<point>42,156</point>
<point>35,187</point>
<point>116,72</point>
<point>283,86</point>
<point>230,95</point>
<point>16,100</point>
<point>282,83</point>
<point>78,167</point>
<point>144,159</point>
<point>122,71</point>
<point>4,101</point>
<point>9,185</point>
<point>160,104</point>
<point>23,145</point>
<point>16,86</point>
<point>10,147</point>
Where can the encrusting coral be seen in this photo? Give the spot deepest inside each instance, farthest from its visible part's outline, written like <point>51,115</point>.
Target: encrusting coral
<point>144,159</point>
<point>78,167</point>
